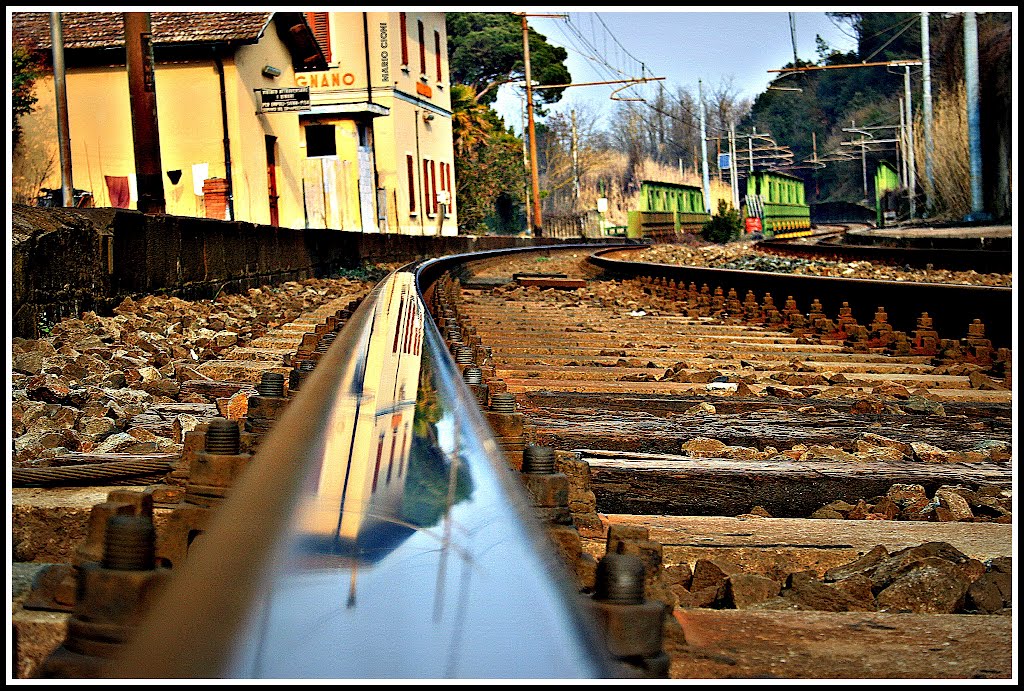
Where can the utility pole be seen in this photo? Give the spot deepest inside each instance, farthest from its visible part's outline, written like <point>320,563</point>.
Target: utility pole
<point>863,161</point>
<point>750,147</point>
<point>67,187</point>
<point>575,164</point>
<point>138,41</point>
<point>903,144</point>
<point>704,150</point>
<point>929,149</point>
<point>733,168</point>
<point>792,33</point>
<point>973,116</point>
<point>912,182</point>
<point>863,156</point>
<point>718,159</point>
<point>529,209</point>
<point>538,231</point>
<point>814,148</point>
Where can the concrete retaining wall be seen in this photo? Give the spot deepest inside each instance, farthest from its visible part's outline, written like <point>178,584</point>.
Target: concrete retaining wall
<point>68,261</point>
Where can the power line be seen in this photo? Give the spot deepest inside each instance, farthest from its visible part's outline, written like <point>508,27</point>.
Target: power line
<point>911,22</point>
<point>617,40</point>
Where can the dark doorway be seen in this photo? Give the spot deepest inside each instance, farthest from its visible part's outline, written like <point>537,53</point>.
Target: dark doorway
<point>275,219</point>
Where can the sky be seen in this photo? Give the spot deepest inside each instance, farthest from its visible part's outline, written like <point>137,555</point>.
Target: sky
<point>683,46</point>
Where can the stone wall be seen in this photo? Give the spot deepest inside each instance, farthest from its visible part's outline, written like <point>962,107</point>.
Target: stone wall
<point>67,261</point>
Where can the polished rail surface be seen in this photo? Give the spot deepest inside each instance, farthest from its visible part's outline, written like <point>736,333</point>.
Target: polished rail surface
<point>377,533</point>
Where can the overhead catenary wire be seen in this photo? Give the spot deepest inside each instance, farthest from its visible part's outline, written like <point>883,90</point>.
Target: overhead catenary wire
<point>909,23</point>
<point>587,47</point>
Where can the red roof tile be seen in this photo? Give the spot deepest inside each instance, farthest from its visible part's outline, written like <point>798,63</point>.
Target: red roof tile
<point>106,29</point>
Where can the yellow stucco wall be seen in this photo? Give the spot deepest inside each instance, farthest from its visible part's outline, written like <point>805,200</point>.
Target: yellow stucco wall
<point>101,132</point>
<point>191,132</point>
<point>249,128</point>
<point>409,98</point>
<point>417,124</point>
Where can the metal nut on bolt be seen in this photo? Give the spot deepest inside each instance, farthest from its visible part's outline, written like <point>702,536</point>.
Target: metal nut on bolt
<point>548,488</point>
<point>632,625</point>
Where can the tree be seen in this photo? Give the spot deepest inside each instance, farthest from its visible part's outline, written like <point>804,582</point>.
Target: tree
<point>829,100</point>
<point>488,161</point>
<point>485,50</point>
<point>554,158</point>
<point>883,35</point>
<point>25,68</point>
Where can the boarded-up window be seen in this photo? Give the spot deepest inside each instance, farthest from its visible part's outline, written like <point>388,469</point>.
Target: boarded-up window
<point>433,186</point>
<point>412,183</point>
<point>426,186</point>
<point>437,53</point>
<point>318,22</point>
<point>405,38</point>
<point>320,141</point>
<point>423,47</point>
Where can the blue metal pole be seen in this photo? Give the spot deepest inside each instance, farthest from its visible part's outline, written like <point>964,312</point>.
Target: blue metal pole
<point>973,116</point>
<point>929,149</point>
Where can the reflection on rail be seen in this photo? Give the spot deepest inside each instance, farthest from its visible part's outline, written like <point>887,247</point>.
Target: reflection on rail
<point>377,533</point>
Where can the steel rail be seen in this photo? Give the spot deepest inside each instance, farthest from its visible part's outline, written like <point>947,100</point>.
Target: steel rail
<point>982,261</point>
<point>343,552</point>
<point>951,307</point>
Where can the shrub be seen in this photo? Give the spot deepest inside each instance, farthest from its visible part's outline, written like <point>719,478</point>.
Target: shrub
<point>723,226</point>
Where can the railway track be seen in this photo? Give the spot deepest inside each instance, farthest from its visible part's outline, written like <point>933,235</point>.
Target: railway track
<point>830,246</point>
<point>696,423</point>
<point>708,442</point>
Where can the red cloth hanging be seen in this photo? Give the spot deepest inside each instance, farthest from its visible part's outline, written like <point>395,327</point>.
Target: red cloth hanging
<point>117,188</point>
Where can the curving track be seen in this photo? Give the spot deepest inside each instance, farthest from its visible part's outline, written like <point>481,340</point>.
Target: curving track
<point>695,417</point>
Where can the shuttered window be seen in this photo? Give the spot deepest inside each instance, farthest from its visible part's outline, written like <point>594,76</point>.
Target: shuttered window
<point>426,186</point>
<point>318,22</point>
<point>423,47</point>
<point>412,183</point>
<point>404,28</point>
<point>437,53</point>
<point>433,186</point>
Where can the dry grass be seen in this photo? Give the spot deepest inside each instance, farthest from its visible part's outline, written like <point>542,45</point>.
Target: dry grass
<point>951,158</point>
<point>613,166</point>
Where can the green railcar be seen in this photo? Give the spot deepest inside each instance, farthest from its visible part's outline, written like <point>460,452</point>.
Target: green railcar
<point>776,205</point>
<point>667,210</point>
<point>887,194</point>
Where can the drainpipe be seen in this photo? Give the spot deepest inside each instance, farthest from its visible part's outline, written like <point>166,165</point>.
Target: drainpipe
<point>419,171</point>
<point>371,119</point>
<point>224,127</point>
<point>366,51</point>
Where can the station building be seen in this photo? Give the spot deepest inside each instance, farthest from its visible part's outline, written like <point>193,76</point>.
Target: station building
<point>299,119</point>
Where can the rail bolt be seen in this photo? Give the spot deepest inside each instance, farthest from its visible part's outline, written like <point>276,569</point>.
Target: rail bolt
<point>214,470</point>
<point>473,375</point>
<point>632,625</point>
<point>549,489</point>
<point>114,596</point>
<point>503,403</point>
<point>271,385</point>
